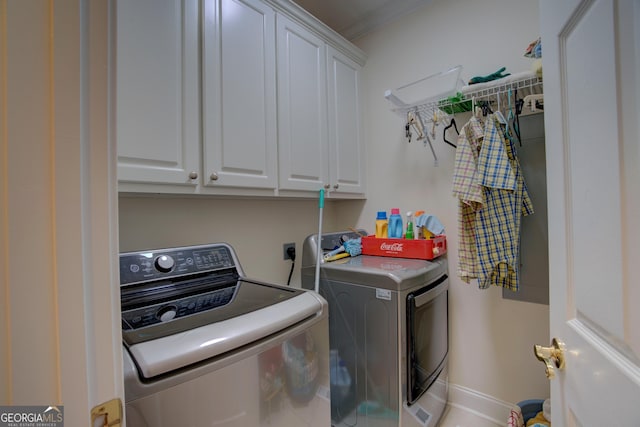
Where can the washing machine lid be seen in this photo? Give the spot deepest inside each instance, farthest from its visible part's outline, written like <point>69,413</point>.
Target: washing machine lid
<point>396,274</point>
<point>156,312</point>
<point>171,352</point>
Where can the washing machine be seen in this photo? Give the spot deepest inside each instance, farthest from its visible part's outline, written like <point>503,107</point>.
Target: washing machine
<point>206,346</point>
<point>388,335</point>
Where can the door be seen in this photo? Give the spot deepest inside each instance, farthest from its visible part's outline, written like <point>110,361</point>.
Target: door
<point>346,157</point>
<point>239,90</point>
<point>60,325</point>
<point>591,53</point>
<point>157,101</point>
<point>302,108</point>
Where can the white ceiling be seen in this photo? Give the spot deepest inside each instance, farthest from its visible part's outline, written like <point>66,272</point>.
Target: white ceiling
<point>355,18</point>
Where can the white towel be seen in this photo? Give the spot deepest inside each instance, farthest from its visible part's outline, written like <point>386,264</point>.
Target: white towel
<point>515,417</point>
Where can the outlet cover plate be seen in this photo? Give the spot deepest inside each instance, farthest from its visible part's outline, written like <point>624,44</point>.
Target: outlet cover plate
<point>284,249</point>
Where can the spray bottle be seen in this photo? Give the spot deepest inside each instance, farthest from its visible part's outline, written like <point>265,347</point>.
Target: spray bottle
<point>409,233</point>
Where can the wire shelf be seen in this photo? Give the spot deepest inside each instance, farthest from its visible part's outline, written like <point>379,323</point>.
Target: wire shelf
<point>438,108</point>
<point>527,84</point>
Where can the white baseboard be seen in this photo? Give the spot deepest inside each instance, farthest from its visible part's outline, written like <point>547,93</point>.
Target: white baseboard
<point>480,404</point>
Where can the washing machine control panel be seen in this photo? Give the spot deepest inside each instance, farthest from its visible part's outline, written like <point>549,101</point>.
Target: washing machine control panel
<point>144,266</point>
<point>170,310</point>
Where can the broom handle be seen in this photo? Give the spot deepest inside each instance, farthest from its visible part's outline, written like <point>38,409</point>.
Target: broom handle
<point>319,241</point>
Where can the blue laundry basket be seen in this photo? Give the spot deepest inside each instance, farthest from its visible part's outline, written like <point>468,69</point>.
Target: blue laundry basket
<point>530,408</point>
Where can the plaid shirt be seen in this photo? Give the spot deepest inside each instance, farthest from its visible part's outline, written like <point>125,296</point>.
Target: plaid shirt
<point>492,225</point>
<point>470,196</point>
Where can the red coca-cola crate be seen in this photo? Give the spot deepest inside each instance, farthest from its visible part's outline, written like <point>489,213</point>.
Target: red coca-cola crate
<point>405,248</point>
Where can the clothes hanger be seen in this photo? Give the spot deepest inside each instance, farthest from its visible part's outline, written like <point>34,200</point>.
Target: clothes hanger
<point>516,121</point>
<point>506,128</point>
<point>444,132</point>
<point>417,125</point>
<point>438,116</point>
<point>486,109</point>
<point>513,118</point>
<point>510,116</point>
<point>434,123</point>
<point>477,111</point>
<point>499,115</point>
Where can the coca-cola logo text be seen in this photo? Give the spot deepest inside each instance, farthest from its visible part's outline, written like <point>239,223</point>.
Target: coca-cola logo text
<point>393,247</point>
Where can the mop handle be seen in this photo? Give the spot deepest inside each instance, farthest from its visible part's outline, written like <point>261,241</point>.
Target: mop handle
<point>319,241</point>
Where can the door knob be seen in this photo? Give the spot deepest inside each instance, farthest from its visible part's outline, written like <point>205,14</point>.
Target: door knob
<point>551,356</point>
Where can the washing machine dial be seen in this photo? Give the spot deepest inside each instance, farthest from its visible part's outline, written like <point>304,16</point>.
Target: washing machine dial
<point>164,263</point>
<point>166,313</point>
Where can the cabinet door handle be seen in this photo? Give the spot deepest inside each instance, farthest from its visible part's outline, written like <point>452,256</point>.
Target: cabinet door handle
<point>214,176</point>
<point>327,186</point>
<point>335,186</point>
<point>193,175</point>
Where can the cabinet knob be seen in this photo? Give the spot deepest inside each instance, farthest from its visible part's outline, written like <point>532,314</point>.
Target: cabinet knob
<point>327,186</point>
<point>214,176</point>
<point>193,175</point>
<point>335,186</point>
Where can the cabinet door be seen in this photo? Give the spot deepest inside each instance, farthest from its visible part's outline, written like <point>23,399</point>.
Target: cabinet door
<point>157,103</point>
<point>346,159</point>
<point>239,106</point>
<point>302,106</point>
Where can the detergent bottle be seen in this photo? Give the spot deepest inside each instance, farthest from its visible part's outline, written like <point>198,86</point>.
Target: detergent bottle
<point>339,377</point>
<point>381,225</point>
<point>395,224</point>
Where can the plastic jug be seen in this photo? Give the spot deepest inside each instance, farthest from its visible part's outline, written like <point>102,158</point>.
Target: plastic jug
<point>395,224</point>
<point>339,377</point>
<point>381,225</point>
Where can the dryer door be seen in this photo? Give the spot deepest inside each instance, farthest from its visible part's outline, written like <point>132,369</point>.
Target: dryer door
<point>427,336</point>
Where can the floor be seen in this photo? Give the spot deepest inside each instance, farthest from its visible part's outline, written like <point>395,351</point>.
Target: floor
<point>455,417</point>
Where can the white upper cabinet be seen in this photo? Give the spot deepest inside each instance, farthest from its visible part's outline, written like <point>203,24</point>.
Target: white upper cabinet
<point>319,114</point>
<point>235,97</point>
<point>239,90</point>
<point>157,102</point>
<point>302,108</point>
<point>346,150</point>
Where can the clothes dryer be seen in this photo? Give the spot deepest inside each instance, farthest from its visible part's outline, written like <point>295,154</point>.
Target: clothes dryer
<point>388,334</point>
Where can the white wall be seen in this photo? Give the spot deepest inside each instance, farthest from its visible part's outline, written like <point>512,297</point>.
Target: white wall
<point>256,229</point>
<point>491,338</point>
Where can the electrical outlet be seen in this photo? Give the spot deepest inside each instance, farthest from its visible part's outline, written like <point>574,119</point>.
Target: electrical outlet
<point>287,246</point>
